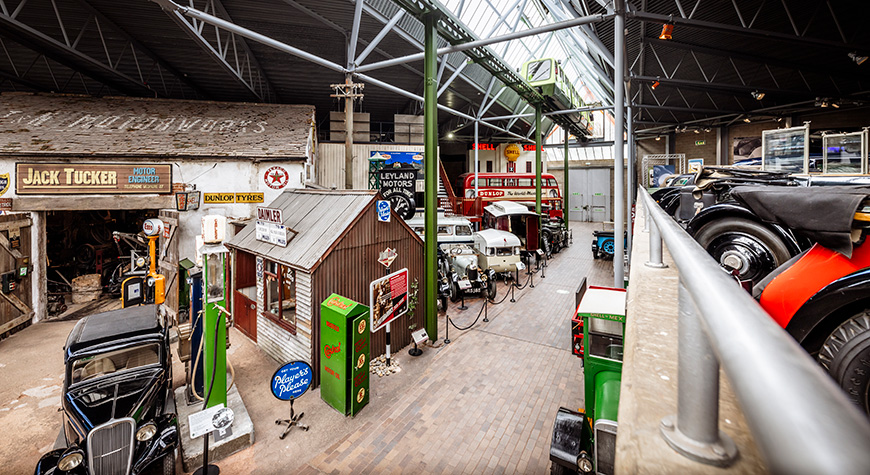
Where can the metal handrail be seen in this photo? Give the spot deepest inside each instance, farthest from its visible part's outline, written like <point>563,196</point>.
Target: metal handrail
<point>800,419</point>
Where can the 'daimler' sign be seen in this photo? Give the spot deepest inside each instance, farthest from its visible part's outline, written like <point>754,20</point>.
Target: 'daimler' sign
<point>91,178</point>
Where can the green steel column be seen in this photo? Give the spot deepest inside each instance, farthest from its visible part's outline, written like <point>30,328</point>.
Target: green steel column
<point>565,186</point>
<point>538,158</point>
<point>430,157</point>
<point>213,318</point>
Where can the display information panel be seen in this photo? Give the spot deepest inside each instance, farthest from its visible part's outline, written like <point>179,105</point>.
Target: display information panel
<point>845,153</point>
<point>786,150</point>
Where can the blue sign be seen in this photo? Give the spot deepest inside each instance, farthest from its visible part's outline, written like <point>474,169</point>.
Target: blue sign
<point>384,211</point>
<point>291,380</point>
<point>413,159</point>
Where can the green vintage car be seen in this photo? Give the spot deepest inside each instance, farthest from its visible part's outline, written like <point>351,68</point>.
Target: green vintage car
<point>585,440</point>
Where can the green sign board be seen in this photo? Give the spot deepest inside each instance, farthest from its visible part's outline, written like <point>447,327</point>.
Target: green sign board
<point>344,354</point>
<point>700,142</point>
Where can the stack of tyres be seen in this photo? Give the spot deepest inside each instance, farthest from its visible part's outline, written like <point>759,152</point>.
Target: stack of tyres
<point>344,354</point>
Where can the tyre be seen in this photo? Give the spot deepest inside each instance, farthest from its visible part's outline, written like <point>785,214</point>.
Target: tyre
<point>547,243</point>
<point>556,469</point>
<point>607,248</point>
<point>442,303</point>
<point>491,289</point>
<point>844,354</point>
<point>454,291</point>
<point>168,463</point>
<point>738,243</point>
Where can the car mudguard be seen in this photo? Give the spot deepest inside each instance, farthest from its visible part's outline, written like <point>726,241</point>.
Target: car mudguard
<point>734,209</point>
<point>842,298</point>
<point>571,435</point>
<point>163,443</point>
<point>821,283</point>
<point>48,463</point>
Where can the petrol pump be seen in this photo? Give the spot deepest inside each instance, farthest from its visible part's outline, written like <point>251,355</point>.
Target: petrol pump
<point>214,312</point>
<point>150,288</point>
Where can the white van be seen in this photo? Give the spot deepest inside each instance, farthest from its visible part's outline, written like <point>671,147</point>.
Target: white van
<point>451,230</point>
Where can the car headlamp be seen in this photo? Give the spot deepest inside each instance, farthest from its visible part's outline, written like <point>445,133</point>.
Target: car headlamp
<point>584,463</point>
<point>146,432</point>
<point>70,459</point>
<point>149,281</point>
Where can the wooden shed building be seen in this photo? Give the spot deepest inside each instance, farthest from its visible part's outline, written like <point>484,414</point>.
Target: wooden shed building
<point>334,239</point>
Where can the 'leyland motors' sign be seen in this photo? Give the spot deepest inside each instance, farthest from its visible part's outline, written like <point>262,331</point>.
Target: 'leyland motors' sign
<point>397,186</point>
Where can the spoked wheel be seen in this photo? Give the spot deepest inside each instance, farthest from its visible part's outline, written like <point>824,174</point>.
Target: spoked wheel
<point>607,247</point>
<point>546,243</point>
<point>491,289</point>
<point>749,247</point>
<point>845,353</point>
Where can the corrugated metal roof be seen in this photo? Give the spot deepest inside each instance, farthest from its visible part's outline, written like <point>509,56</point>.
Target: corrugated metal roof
<point>320,217</point>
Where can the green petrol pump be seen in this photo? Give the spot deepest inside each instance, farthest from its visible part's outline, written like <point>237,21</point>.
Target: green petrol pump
<point>214,337</point>
<point>344,354</point>
<point>600,319</point>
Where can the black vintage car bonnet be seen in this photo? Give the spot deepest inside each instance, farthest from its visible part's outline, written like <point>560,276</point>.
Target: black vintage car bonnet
<point>126,396</point>
<point>822,214</point>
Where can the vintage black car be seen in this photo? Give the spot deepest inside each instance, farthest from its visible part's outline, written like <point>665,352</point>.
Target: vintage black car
<point>119,413</point>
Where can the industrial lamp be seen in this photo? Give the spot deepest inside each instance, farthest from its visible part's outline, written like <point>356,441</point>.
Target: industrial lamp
<point>757,95</point>
<point>856,58</point>
<point>655,84</point>
<point>668,30</point>
<point>747,120</point>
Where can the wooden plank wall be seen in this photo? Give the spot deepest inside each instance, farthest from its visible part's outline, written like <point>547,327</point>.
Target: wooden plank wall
<point>11,317</point>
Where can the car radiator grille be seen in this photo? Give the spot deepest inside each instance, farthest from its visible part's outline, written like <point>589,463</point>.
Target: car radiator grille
<point>110,447</point>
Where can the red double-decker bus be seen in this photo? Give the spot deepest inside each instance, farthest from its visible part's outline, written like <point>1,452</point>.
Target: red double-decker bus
<point>506,187</point>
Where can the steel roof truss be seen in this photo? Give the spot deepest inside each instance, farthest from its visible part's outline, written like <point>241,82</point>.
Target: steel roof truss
<point>67,53</point>
<point>246,72</point>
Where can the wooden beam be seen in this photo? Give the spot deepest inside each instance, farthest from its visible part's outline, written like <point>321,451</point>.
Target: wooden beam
<point>18,223</point>
<point>15,322</point>
<point>4,243</point>
<point>89,202</point>
<point>16,302</point>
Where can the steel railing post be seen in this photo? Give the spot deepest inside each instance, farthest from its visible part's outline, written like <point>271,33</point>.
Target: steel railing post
<point>694,431</point>
<point>655,245</point>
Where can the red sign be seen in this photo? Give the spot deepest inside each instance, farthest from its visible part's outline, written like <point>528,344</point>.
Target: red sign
<point>529,148</point>
<point>491,193</point>
<point>276,177</point>
<point>388,297</point>
<point>483,146</point>
<point>328,351</point>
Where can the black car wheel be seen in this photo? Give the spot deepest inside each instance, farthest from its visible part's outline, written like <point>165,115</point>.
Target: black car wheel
<point>750,247</point>
<point>491,289</point>
<point>844,354</point>
<point>556,469</point>
<point>169,463</point>
<point>547,243</point>
<point>454,291</point>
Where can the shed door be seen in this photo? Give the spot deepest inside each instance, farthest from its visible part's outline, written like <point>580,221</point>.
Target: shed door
<point>16,306</point>
<point>168,259</point>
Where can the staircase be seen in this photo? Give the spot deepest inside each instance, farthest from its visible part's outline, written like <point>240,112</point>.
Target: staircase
<point>446,198</point>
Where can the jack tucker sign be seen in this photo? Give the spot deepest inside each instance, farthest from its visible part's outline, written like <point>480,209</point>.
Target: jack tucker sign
<point>91,178</point>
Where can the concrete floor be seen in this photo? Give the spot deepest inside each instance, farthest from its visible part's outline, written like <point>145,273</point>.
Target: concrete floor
<point>485,402</point>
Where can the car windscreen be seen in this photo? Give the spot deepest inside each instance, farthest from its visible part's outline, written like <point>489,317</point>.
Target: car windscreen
<point>94,366</point>
<point>504,251</point>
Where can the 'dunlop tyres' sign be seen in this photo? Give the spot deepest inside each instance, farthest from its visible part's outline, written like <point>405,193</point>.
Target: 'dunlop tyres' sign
<point>291,380</point>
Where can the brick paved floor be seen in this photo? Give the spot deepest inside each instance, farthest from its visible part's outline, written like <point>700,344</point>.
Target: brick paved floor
<point>486,402</point>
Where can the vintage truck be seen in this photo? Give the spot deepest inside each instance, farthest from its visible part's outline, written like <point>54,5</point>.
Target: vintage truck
<point>584,440</point>
<point>473,269</point>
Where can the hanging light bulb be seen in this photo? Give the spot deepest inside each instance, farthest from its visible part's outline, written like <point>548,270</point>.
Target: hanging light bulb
<point>667,32</point>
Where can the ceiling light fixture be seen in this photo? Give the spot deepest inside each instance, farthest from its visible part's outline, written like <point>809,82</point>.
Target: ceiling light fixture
<point>655,84</point>
<point>835,105</point>
<point>747,120</point>
<point>449,135</point>
<point>757,95</point>
<point>658,139</point>
<point>697,131</point>
<point>668,30</point>
<point>854,55</point>
<point>777,119</point>
<point>707,129</point>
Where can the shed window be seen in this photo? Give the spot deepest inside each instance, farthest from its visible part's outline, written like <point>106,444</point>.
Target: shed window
<point>280,283</point>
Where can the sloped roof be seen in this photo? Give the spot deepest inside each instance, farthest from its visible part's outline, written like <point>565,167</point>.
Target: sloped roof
<point>54,124</point>
<point>320,217</point>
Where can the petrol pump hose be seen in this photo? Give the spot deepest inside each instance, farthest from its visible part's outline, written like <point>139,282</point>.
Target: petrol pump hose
<point>196,362</point>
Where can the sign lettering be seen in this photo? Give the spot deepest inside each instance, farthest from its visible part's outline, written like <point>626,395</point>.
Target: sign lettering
<point>270,215</point>
<point>291,380</point>
<point>73,178</point>
<point>249,197</point>
<point>211,198</point>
